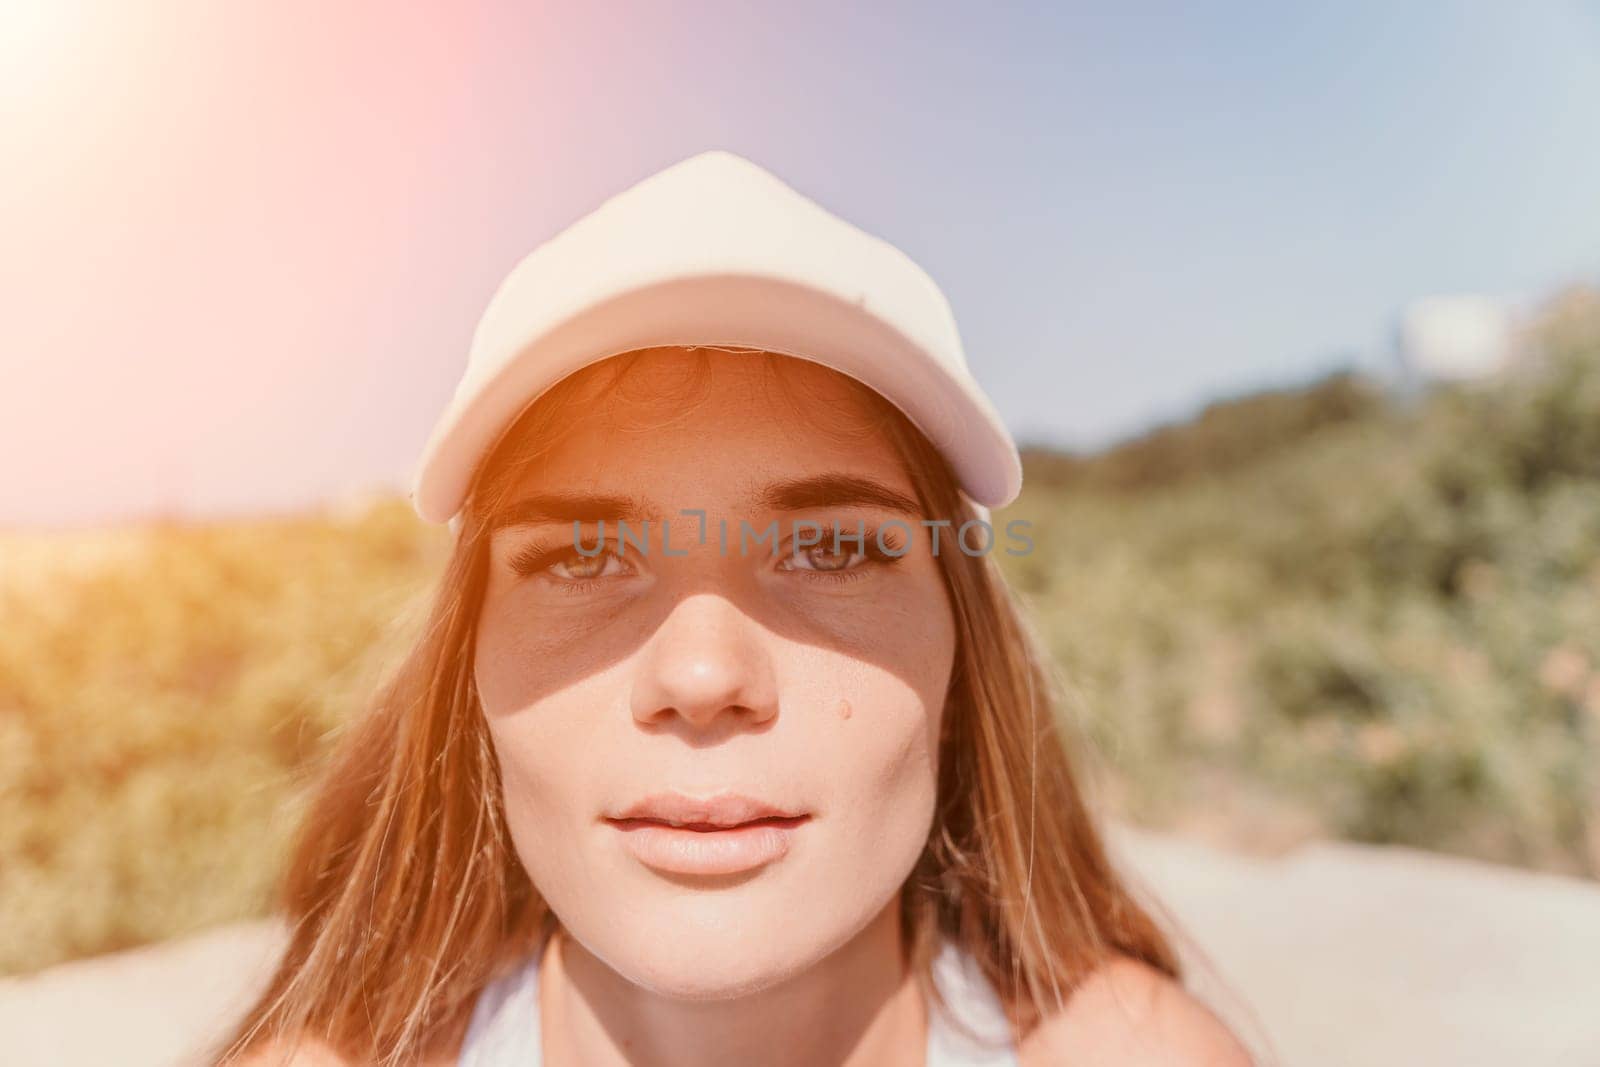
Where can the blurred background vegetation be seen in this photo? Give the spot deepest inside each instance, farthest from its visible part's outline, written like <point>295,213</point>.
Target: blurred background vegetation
<point>1330,611</point>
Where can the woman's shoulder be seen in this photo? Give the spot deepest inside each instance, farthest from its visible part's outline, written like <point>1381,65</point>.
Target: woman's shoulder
<point>1127,1012</point>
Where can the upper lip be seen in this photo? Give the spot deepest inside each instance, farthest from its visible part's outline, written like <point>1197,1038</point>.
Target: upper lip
<point>723,809</point>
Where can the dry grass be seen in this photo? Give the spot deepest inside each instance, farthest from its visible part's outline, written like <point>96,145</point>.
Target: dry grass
<point>162,693</point>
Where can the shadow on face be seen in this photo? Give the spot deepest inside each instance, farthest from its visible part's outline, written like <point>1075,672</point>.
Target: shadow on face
<point>701,658</point>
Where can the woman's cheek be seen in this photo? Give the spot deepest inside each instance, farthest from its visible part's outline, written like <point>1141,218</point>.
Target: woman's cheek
<point>547,738</point>
<point>882,695</point>
<point>542,797</point>
<point>884,770</point>
<point>532,788</point>
<point>907,632</point>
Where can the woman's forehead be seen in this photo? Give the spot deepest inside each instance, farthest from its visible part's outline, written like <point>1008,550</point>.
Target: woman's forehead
<point>643,384</point>
<point>720,421</point>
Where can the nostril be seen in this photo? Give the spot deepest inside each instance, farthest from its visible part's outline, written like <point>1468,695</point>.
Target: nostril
<point>707,720</point>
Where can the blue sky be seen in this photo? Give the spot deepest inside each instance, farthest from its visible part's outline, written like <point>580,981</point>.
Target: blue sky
<point>1138,207</point>
<point>250,242</point>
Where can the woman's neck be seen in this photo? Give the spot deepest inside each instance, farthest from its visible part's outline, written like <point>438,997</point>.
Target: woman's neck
<point>859,1006</point>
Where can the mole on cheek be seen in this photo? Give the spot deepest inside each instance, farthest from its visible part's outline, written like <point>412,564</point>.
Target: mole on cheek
<point>844,709</point>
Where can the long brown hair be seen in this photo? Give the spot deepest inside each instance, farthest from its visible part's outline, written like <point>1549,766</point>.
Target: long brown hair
<point>405,896</point>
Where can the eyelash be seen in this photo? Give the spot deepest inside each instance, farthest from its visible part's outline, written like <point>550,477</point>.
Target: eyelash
<point>870,550</point>
<point>533,560</point>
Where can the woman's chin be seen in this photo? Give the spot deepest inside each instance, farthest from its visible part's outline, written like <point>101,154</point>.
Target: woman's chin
<point>717,961</point>
<point>706,973</point>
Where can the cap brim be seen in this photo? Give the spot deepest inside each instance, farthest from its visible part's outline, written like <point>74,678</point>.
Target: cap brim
<point>743,310</point>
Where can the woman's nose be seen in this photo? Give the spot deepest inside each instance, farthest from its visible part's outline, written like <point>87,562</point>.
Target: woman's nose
<point>706,660</point>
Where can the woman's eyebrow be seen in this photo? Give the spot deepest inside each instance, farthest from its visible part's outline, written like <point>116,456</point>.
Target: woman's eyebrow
<point>545,508</point>
<point>833,490</point>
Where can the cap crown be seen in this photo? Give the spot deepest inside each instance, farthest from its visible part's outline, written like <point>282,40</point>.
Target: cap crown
<point>716,250</point>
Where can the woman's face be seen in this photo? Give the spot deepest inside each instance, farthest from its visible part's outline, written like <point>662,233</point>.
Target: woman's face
<point>811,682</point>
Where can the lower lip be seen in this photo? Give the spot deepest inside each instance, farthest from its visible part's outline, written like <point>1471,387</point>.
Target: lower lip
<point>678,850</point>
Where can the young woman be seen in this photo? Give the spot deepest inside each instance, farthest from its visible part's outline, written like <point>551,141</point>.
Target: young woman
<point>725,742</point>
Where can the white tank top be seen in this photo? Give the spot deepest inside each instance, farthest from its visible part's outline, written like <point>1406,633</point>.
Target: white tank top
<point>504,1031</point>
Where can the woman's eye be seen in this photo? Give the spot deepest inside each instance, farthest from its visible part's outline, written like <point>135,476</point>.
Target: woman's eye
<point>823,557</point>
<point>578,567</point>
<point>568,565</point>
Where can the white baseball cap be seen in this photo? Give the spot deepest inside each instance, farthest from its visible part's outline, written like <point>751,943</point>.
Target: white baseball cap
<point>714,250</point>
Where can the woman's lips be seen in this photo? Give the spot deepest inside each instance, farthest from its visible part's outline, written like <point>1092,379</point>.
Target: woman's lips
<point>708,848</point>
